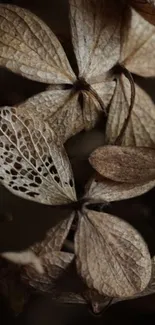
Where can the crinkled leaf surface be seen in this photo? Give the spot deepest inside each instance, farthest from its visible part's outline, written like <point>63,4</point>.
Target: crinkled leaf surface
<point>59,109</point>
<point>55,264</point>
<point>33,164</point>
<point>124,164</point>
<point>140,130</point>
<point>95,27</point>
<point>105,190</point>
<point>53,259</point>
<point>137,45</point>
<point>111,255</point>
<point>55,237</point>
<point>29,47</point>
<point>146,8</point>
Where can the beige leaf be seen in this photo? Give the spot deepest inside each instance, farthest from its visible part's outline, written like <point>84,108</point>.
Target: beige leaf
<point>98,303</point>
<point>104,90</point>
<point>140,130</point>
<point>95,27</point>
<point>59,108</point>
<point>138,42</point>
<point>26,257</point>
<point>33,164</point>
<point>95,102</point>
<point>55,238</point>
<point>104,190</point>
<point>54,261</point>
<point>124,164</point>
<point>112,257</point>
<point>55,264</point>
<point>29,47</point>
<point>146,8</point>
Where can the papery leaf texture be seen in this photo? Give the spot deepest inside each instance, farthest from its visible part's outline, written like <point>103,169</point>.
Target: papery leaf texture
<point>95,30</point>
<point>33,164</point>
<point>28,47</point>
<point>55,264</point>
<point>124,164</point>
<point>140,130</point>
<point>103,190</point>
<point>54,238</point>
<point>137,44</point>
<point>146,8</point>
<point>111,255</point>
<point>54,261</point>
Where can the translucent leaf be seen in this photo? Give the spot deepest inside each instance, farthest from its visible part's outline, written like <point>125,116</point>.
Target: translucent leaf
<point>95,27</point>
<point>138,43</point>
<point>59,109</point>
<point>112,257</point>
<point>55,264</point>
<point>33,164</point>
<point>140,130</point>
<point>104,190</point>
<point>55,238</point>
<point>93,107</point>
<point>124,164</point>
<point>146,8</point>
<point>29,47</point>
<point>53,260</point>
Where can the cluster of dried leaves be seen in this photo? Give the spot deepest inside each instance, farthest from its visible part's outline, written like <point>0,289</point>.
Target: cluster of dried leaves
<point>111,41</point>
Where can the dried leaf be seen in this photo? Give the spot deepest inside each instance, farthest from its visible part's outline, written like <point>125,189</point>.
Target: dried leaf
<point>140,130</point>
<point>55,264</point>
<point>57,108</point>
<point>55,238</point>
<point>138,39</point>
<point>49,252</point>
<point>103,190</point>
<point>91,108</point>
<point>146,8</point>
<point>29,47</point>
<point>111,255</point>
<point>124,164</point>
<point>33,164</point>
<point>26,257</point>
<point>95,27</point>
<point>98,303</point>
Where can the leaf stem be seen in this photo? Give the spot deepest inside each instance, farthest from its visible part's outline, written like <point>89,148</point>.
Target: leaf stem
<point>128,75</point>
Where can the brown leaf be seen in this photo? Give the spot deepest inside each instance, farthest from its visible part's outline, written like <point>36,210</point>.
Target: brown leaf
<point>95,27</point>
<point>146,8</point>
<point>140,130</point>
<point>26,257</point>
<point>103,190</point>
<point>137,45</point>
<point>124,164</point>
<point>98,303</point>
<point>53,259</point>
<point>57,108</point>
<point>29,47</point>
<point>55,238</point>
<point>55,264</point>
<point>34,164</point>
<point>112,257</point>
<point>92,110</point>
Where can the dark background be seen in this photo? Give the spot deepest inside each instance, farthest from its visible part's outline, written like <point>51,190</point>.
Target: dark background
<point>41,310</point>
